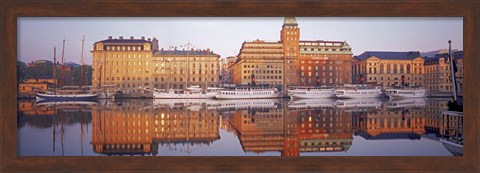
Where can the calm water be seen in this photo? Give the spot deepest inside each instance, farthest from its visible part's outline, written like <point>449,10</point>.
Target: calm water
<point>271,127</point>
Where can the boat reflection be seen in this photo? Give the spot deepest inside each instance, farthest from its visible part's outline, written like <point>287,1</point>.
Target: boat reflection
<point>311,104</point>
<point>406,103</point>
<point>259,126</point>
<point>452,132</point>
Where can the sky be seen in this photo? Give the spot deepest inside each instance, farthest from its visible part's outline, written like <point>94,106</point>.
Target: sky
<point>224,35</point>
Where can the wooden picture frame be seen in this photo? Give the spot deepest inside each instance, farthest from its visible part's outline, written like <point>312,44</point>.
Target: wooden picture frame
<point>10,10</point>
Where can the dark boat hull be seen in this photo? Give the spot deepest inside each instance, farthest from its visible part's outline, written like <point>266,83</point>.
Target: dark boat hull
<point>66,97</point>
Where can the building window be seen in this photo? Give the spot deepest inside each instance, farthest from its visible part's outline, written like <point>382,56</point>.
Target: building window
<point>388,68</point>
<point>408,68</point>
<point>395,69</point>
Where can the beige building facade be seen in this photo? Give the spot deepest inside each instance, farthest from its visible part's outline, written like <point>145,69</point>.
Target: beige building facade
<point>179,69</point>
<point>386,69</point>
<point>260,62</point>
<point>279,63</point>
<point>438,74</point>
<point>134,64</point>
<point>125,63</point>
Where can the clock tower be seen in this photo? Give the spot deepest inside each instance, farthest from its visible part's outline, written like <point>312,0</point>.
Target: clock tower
<point>290,38</point>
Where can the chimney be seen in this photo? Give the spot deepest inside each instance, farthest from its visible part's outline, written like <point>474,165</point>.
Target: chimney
<point>109,37</point>
<point>121,38</point>
<point>143,38</point>
<point>149,39</point>
<point>131,37</point>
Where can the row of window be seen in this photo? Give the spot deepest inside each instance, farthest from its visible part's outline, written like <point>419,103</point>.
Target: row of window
<point>212,79</point>
<point>123,48</point>
<point>388,78</point>
<point>246,93</point>
<point>129,55</point>
<point>263,77</point>
<point>388,70</point>
<point>326,49</point>
<point>263,71</point>
<point>323,67</point>
<point>316,74</point>
<point>261,66</point>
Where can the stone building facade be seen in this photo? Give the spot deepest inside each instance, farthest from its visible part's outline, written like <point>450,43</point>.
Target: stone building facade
<point>325,63</point>
<point>280,62</point>
<point>387,68</point>
<point>125,63</point>
<point>259,61</point>
<point>134,64</point>
<point>179,69</point>
<point>438,74</point>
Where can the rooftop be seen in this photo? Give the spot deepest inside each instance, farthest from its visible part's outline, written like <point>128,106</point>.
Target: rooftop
<point>185,52</point>
<point>434,59</point>
<point>389,55</point>
<point>125,40</point>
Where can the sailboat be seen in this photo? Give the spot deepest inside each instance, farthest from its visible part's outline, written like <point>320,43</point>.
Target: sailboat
<point>452,119</point>
<point>66,93</point>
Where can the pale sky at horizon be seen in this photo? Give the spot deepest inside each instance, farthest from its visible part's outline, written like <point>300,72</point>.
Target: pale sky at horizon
<point>225,35</point>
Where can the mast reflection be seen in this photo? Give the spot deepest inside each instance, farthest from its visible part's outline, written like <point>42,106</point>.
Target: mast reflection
<point>260,126</point>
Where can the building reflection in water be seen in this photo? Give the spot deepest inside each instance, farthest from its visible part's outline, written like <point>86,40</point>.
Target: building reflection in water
<point>397,119</point>
<point>138,127</point>
<point>288,127</point>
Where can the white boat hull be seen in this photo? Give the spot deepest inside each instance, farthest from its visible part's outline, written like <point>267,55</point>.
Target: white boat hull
<point>305,94</point>
<point>162,95</point>
<point>360,93</point>
<point>253,94</point>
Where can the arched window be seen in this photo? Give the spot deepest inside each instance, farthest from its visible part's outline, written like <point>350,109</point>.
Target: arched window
<point>381,68</point>
<point>408,68</point>
<point>401,69</point>
<point>388,68</point>
<point>395,68</point>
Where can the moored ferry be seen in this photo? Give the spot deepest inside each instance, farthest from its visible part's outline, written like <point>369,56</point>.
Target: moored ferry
<point>359,91</point>
<point>311,92</point>
<point>406,92</point>
<point>249,92</point>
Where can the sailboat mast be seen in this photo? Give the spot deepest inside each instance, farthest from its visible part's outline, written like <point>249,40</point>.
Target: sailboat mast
<point>81,68</point>
<point>188,65</point>
<point>454,82</point>
<point>169,69</point>
<point>208,66</point>
<point>62,82</point>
